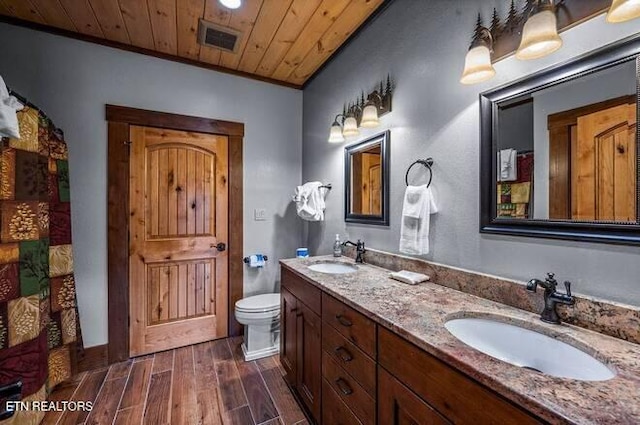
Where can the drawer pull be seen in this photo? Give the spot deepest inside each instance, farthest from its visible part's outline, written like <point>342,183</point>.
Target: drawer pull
<point>343,321</point>
<point>344,354</point>
<point>344,387</point>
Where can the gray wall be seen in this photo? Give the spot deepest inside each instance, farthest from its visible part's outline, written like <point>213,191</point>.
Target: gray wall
<point>617,81</point>
<point>72,81</point>
<point>422,44</point>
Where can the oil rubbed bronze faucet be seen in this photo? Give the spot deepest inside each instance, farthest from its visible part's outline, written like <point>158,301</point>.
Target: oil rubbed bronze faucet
<point>359,249</point>
<point>551,297</point>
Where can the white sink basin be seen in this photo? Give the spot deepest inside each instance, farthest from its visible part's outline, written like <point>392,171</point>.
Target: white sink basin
<point>333,268</point>
<point>528,349</point>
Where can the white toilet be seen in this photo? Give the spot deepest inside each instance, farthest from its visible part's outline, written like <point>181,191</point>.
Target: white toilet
<point>260,315</point>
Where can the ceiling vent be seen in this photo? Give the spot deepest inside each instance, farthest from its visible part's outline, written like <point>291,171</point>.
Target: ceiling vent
<point>218,37</point>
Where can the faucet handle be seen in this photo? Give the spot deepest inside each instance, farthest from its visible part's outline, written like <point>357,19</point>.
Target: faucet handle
<point>567,286</point>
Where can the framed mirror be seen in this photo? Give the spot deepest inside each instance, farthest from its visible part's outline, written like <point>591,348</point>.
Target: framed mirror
<point>559,151</point>
<point>367,181</point>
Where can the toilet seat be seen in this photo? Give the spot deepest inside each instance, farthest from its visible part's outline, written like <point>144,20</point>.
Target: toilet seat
<point>259,304</point>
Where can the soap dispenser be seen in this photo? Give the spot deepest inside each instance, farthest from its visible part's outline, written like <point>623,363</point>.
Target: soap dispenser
<point>337,247</point>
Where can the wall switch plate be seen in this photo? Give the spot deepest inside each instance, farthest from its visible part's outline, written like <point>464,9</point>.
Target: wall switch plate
<point>260,214</point>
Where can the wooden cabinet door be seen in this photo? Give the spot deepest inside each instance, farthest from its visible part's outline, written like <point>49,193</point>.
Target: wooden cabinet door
<point>398,405</point>
<point>288,336</point>
<point>309,364</point>
<point>178,234</point>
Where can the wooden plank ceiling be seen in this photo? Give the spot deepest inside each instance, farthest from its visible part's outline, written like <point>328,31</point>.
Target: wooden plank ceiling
<point>284,41</point>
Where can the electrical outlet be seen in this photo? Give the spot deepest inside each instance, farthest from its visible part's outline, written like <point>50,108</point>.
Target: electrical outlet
<point>260,214</point>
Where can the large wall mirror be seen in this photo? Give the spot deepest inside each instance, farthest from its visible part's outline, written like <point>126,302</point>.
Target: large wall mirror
<point>367,181</point>
<point>560,153</point>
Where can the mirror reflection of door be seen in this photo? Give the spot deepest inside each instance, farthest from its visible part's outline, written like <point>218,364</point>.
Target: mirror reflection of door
<point>592,169</point>
<point>366,182</point>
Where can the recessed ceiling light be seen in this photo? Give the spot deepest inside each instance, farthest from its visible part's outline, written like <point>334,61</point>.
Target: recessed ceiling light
<point>231,4</point>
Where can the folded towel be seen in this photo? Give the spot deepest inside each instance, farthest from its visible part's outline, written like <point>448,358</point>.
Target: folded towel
<point>507,165</point>
<point>414,231</point>
<point>9,105</point>
<point>310,201</point>
<point>411,278</point>
<point>413,200</point>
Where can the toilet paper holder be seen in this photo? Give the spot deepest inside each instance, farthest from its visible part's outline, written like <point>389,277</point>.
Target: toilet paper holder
<point>246,259</point>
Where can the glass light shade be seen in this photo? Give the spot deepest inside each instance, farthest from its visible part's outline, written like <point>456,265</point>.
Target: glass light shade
<point>350,127</point>
<point>335,136</point>
<point>370,117</point>
<point>477,66</point>
<point>231,4</point>
<point>539,36</point>
<point>623,10</point>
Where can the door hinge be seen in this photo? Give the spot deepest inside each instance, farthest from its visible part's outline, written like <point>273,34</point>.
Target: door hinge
<point>129,321</point>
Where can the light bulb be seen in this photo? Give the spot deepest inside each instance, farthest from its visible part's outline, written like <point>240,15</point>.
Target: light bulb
<point>370,116</point>
<point>231,4</point>
<point>623,10</point>
<point>335,136</point>
<point>477,66</point>
<point>350,127</point>
<point>539,36</point>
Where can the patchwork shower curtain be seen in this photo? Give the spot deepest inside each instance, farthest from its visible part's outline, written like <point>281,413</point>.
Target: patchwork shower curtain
<point>39,326</point>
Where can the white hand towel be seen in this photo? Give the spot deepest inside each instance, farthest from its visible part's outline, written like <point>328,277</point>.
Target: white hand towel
<point>310,201</point>
<point>411,278</point>
<point>9,105</point>
<point>507,165</point>
<point>413,199</point>
<point>414,231</point>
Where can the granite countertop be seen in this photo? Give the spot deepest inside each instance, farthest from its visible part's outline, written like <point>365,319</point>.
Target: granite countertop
<point>418,313</point>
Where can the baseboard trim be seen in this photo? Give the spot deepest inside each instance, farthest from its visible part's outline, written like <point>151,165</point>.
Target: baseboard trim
<point>94,358</point>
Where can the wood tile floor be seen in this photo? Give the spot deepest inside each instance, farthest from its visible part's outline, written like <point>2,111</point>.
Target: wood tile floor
<point>206,384</point>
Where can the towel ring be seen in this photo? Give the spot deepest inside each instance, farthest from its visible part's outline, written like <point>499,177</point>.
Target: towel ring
<point>427,163</point>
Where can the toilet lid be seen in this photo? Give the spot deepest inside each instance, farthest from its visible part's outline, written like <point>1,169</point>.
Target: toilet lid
<point>259,303</point>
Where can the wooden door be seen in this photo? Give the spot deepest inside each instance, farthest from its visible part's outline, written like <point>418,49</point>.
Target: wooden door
<point>371,182</point>
<point>178,217</point>
<point>397,405</point>
<point>309,362</point>
<point>288,335</point>
<point>604,165</point>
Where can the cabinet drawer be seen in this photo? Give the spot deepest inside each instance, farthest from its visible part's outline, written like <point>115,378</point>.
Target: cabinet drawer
<point>301,289</point>
<point>350,358</point>
<point>453,394</point>
<point>352,393</point>
<point>334,411</point>
<point>352,325</point>
<point>398,405</point>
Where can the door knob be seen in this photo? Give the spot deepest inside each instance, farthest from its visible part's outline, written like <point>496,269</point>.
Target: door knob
<point>221,247</point>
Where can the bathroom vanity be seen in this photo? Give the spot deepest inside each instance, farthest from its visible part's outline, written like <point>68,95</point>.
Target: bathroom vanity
<point>360,348</point>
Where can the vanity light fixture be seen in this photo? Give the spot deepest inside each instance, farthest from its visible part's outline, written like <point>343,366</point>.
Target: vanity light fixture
<point>477,63</point>
<point>540,33</point>
<point>231,4</point>
<point>534,30</point>
<point>361,114</point>
<point>370,118</point>
<point>623,10</point>
<point>335,135</point>
<point>350,128</point>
